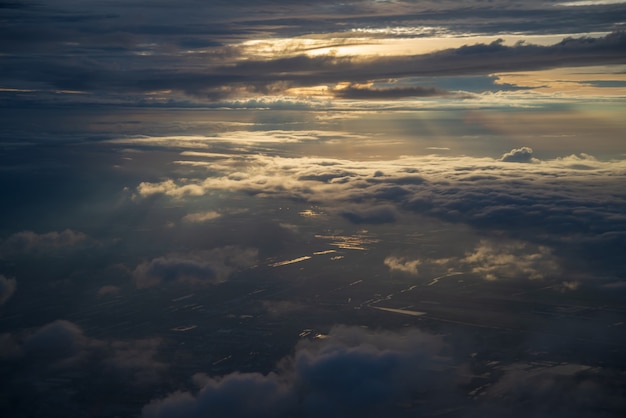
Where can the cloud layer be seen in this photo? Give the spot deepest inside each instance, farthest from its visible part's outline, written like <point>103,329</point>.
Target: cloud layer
<point>575,202</point>
<point>198,54</point>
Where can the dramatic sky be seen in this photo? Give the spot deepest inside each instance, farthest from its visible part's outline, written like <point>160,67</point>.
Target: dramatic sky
<point>341,209</point>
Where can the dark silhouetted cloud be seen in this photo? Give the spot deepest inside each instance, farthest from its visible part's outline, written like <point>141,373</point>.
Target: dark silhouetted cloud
<point>368,93</point>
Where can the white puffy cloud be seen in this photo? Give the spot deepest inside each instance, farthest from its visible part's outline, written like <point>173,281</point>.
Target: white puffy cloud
<point>494,260</point>
<point>199,217</point>
<point>519,155</point>
<point>402,264</point>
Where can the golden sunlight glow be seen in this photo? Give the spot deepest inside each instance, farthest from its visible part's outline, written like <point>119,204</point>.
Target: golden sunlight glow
<point>590,3</point>
<point>578,81</point>
<point>313,91</point>
<point>347,44</point>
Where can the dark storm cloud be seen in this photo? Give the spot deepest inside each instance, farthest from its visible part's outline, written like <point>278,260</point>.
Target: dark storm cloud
<point>353,372</point>
<point>7,288</point>
<point>197,268</point>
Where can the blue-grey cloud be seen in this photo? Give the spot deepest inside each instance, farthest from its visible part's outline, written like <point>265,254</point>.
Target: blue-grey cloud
<point>29,242</point>
<point>560,391</point>
<point>7,288</point>
<point>195,268</point>
<point>352,372</point>
<point>58,359</point>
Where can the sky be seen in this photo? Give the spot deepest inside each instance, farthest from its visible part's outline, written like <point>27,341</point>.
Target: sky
<point>340,209</point>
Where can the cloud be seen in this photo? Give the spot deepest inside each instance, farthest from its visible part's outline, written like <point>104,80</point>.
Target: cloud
<point>519,155</point>
<point>568,390</point>
<point>495,260</point>
<point>370,93</point>
<point>169,188</point>
<point>56,341</point>
<point>200,217</point>
<point>109,290</point>
<point>7,288</point>
<point>352,372</point>
<point>573,204</point>
<point>59,361</point>
<point>402,264</point>
<point>370,215</point>
<point>135,360</point>
<point>9,347</point>
<point>474,59</point>
<point>195,268</point>
<point>29,242</point>
<point>178,63</point>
